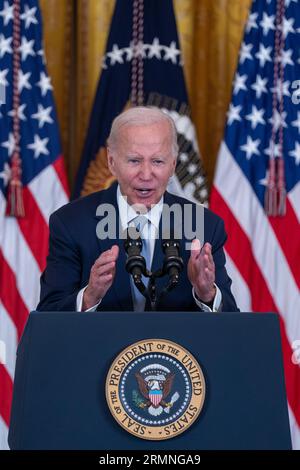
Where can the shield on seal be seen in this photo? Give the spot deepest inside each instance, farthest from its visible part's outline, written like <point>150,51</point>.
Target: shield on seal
<point>155,397</point>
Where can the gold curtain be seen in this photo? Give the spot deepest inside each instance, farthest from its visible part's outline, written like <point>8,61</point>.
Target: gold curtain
<point>75,33</point>
<point>58,39</point>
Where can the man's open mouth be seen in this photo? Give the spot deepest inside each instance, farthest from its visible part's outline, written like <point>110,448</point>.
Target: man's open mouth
<point>144,191</point>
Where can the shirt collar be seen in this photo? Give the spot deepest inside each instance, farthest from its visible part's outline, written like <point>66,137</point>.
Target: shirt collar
<point>127,213</point>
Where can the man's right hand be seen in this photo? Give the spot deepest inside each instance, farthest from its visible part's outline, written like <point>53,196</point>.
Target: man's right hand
<point>101,277</point>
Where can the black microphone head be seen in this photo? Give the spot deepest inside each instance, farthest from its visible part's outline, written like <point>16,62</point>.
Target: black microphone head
<point>173,263</point>
<point>171,247</point>
<point>135,263</point>
<point>133,247</point>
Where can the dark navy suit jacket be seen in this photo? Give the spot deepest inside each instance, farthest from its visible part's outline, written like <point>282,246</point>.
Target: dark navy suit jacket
<point>74,247</point>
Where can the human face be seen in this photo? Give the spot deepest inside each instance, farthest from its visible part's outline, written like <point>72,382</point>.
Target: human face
<point>143,162</point>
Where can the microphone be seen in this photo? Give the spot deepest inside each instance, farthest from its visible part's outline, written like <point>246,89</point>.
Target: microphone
<point>173,263</point>
<point>135,263</point>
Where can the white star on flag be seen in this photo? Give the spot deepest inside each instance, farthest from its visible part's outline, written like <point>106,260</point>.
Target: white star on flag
<point>39,146</point>
<point>263,55</point>
<point>115,55</point>
<point>286,57</point>
<point>44,83</point>
<point>154,49</point>
<point>43,115</point>
<point>288,26</point>
<point>251,23</point>
<point>245,52</point>
<point>26,48</point>
<point>233,114</point>
<point>171,52</point>
<point>9,144</point>
<point>239,83</point>
<point>250,147</point>
<point>7,13</point>
<point>5,45</point>
<point>260,86</point>
<point>267,23</point>
<point>23,81</point>
<point>256,117</point>
<point>29,16</point>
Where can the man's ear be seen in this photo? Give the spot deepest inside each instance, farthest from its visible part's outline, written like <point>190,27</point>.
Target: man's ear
<point>174,167</point>
<point>111,162</point>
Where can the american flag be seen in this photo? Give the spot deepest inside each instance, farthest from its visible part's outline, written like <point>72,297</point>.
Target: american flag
<point>263,124</point>
<point>24,240</point>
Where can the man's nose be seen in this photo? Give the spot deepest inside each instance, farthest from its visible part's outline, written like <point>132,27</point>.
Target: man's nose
<point>146,171</point>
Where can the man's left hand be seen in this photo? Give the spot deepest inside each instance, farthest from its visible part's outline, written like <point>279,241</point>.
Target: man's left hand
<point>201,271</point>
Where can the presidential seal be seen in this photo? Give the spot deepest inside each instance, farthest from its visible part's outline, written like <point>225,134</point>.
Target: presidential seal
<point>155,389</point>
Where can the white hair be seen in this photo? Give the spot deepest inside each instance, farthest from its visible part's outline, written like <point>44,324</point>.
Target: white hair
<point>141,116</point>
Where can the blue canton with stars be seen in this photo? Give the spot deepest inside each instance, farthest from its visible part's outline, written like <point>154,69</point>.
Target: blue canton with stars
<point>40,144</point>
<point>249,119</point>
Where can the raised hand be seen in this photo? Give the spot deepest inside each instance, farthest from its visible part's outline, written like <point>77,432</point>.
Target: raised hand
<point>101,277</point>
<point>201,271</point>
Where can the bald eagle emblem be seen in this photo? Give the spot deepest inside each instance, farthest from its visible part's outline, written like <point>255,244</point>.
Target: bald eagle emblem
<point>155,384</point>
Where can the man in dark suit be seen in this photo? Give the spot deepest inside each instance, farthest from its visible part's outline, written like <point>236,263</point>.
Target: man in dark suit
<point>86,263</point>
